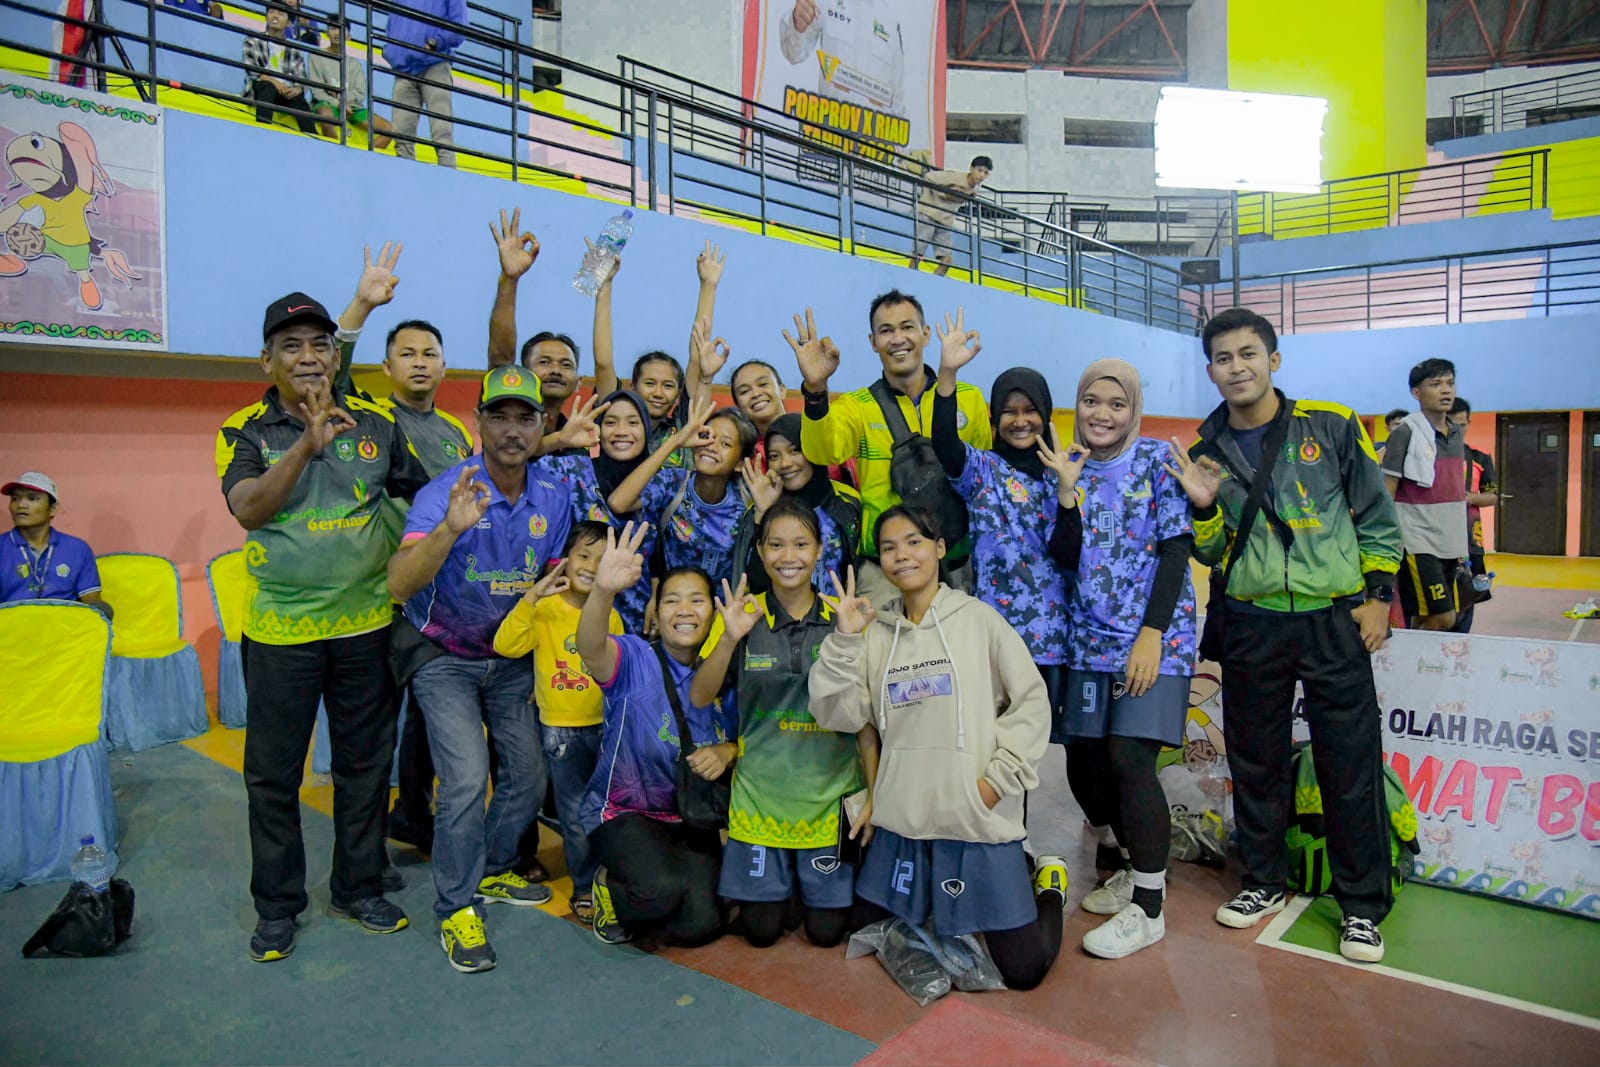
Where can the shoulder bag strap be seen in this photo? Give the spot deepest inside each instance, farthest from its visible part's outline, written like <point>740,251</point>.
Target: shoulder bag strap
<point>685,743</point>
<point>889,404</point>
<point>1255,500</point>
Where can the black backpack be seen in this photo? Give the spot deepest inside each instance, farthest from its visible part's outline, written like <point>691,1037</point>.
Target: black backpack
<point>916,474</point>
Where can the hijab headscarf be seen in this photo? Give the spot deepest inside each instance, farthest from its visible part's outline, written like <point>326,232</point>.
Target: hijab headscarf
<point>1123,373</point>
<point>819,489</point>
<point>1031,384</point>
<point>611,472</point>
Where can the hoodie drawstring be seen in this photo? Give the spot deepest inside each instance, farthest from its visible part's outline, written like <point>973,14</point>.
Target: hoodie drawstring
<point>883,687</point>
<point>961,718</point>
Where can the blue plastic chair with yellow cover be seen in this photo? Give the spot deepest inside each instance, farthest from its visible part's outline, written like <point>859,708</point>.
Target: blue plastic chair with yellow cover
<point>229,580</point>
<point>154,691</point>
<point>55,781</point>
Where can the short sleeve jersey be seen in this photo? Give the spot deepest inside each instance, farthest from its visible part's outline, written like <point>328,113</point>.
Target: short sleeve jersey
<point>319,566</point>
<point>64,570</point>
<point>1130,505</point>
<point>578,467</point>
<point>791,772</point>
<point>1433,519</point>
<point>1012,516</point>
<point>491,565</point>
<point>698,532</point>
<point>637,770</point>
<point>438,437</point>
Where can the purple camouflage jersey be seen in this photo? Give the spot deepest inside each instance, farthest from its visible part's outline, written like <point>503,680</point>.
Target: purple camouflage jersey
<point>1129,505</point>
<point>1012,516</point>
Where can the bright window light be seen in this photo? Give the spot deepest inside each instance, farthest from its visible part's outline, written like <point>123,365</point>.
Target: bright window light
<point>1215,139</point>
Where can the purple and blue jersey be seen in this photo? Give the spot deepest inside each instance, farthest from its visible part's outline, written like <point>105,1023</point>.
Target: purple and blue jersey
<point>65,570</point>
<point>1012,515</point>
<point>698,532</point>
<point>1129,505</point>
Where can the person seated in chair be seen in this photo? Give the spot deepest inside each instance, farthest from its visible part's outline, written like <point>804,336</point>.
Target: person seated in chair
<point>38,562</point>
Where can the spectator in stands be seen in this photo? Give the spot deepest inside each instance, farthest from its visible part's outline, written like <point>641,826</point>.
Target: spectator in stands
<point>418,53</point>
<point>209,8</point>
<point>1483,491</point>
<point>327,98</point>
<point>1390,421</point>
<point>302,28</point>
<point>38,562</point>
<point>1425,470</point>
<point>1308,602</point>
<point>855,424</point>
<point>275,72</point>
<point>305,471</point>
<point>936,210</point>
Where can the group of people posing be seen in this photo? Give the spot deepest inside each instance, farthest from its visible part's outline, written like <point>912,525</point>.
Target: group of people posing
<point>780,669</point>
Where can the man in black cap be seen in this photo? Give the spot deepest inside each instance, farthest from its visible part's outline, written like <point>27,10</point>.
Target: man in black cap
<point>305,472</point>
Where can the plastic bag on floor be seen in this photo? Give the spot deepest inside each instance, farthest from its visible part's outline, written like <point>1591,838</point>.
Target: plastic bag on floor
<point>1198,837</point>
<point>926,965</point>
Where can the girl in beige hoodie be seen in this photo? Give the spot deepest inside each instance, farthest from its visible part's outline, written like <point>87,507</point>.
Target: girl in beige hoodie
<point>964,719</point>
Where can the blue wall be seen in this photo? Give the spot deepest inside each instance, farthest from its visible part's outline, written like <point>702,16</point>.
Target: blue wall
<point>1515,140</point>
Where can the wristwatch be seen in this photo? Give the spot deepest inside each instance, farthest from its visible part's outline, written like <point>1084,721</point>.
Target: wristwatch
<point>1383,591</point>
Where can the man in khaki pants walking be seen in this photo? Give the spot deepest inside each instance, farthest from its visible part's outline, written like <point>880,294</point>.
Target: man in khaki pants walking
<point>418,51</point>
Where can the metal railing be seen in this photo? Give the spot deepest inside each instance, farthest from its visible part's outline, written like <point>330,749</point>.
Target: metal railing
<point>1515,181</point>
<point>1531,103</point>
<point>1538,281</point>
<point>751,169</point>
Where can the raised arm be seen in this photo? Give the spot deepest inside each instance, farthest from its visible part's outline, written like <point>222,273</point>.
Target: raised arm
<point>605,367</point>
<point>416,562</point>
<point>739,612</point>
<point>517,250</point>
<point>829,432</point>
<point>708,266</point>
<point>255,500</point>
<point>374,288</point>
<point>957,347</point>
<point>840,700</point>
<point>619,568</point>
<point>625,497</point>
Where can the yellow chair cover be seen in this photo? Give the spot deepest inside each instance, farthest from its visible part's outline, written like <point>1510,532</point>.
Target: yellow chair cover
<point>53,662</point>
<point>143,591</point>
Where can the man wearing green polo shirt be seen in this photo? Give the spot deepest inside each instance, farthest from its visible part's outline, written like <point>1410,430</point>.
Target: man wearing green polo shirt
<point>305,471</point>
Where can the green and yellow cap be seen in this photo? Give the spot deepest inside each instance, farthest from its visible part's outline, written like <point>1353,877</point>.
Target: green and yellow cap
<point>511,383</point>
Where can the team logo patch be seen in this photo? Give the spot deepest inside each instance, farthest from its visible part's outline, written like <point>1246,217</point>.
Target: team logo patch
<point>753,662</point>
<point>62,570</point>
<point>1017,491</point>
<point>597,513</point>
<point>953,886</point>
<point>879,30</point>
<point>825,864</point>
<point>530,560</point>
<point>829,65</point>
<point>1118,690</point>
<point>345,449</point>
<point>538,526</point>
<point>511,378</point>
<point>368,450</point>
<point>1310,451</point>
<point>451,450</point>
<point>961,420</point>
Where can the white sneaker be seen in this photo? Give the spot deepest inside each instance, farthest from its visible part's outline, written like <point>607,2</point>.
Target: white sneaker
<point>1249,907</point>
<point>1360,941</point>
<point>1111,895</point>
<point>1126,933</point>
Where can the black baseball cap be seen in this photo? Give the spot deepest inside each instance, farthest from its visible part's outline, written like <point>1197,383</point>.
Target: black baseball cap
<point>296,307</point>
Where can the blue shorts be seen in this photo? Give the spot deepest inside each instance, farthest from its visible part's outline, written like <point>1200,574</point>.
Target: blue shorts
<point>764,874</point>
<point>967,888</point>
<point>1098,704</point>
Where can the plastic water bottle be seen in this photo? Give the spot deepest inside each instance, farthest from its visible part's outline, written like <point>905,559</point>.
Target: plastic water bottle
<point>601,260</point>
<point>91,866</point>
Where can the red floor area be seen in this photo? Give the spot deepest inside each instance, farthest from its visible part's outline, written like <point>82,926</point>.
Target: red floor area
<point>958,1031</point>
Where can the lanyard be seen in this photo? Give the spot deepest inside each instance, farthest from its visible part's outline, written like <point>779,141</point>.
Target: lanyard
<point>38,564</point>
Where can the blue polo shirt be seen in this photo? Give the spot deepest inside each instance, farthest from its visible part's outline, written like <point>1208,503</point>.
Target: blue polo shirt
<point>65,570</point>
<point>491,565</point>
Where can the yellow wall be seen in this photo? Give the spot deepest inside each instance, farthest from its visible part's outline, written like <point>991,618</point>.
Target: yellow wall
<point>1367,58</point>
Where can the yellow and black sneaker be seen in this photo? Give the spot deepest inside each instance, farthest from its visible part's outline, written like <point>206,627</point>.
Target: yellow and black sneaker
<point>606,926</point>
<point>511,888</point>
<point>1050,876</point>
<point>273,940</point>
<point>464,942</point>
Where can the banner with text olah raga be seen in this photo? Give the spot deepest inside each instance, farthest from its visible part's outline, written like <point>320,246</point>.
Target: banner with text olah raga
<point>82,247</point>
<point>864,77</point>
<point>1497,740</point>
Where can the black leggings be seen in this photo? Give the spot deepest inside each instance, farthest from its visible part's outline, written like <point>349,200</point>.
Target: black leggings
<point>763,923</point>
<point>662,876</point>
<point>1114,781</point>
<point>1024,955</point>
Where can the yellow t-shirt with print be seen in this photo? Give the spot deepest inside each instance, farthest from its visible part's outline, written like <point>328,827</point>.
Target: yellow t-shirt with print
<point>63,218</point>
<point>565,694</point>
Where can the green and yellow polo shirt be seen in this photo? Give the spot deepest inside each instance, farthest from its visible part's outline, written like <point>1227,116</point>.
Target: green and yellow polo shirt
<point>319,568</point>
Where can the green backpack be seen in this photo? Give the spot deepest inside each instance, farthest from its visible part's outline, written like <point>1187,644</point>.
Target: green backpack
<point>1309,870</point>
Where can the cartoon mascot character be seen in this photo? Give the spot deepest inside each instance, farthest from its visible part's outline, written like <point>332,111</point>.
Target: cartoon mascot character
<point>64,177</point>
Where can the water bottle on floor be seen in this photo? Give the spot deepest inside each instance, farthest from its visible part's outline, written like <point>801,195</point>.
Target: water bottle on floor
<point>91,865</point>
<point>600,260</point>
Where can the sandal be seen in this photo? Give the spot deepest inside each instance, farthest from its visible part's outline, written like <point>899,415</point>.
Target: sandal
<point>583,908</point>
<point>533,871</point>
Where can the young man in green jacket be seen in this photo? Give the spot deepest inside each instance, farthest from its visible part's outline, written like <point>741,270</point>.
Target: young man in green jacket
<point>1307,601</point>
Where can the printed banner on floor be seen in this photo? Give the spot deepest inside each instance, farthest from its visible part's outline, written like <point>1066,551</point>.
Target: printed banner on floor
<point>83,258</point>
<point>865,77</point>
<point>1497,740</point>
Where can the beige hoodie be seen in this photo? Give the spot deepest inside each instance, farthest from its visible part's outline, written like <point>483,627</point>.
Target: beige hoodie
<point>956,698</point>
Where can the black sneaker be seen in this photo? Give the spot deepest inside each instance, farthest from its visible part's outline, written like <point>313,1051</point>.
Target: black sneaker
<point>273,940</point>
<point>376,914</point>
<point>392,881</point>
<point>1359,940</point>
<point>1249,908</point>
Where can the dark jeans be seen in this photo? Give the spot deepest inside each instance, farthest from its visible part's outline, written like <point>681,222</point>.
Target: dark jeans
<point>571,753</point>
<point>662,876</point>
<point>1263,655</point>
<point>283,685</point>
<point>270,102</point>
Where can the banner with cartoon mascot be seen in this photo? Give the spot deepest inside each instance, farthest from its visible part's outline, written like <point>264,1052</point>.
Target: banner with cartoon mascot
<point>865,77</point>
<point>1497,740</point>
<point>82,250</point>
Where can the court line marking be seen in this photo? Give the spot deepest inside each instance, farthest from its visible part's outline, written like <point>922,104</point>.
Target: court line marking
<point>1272,937</point>
<point>1573,636</point>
